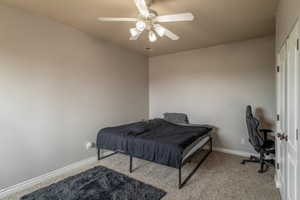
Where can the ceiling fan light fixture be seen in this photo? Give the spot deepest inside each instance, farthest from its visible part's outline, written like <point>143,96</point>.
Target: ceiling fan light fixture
<point>140,25</point>
<point>134,32</point>
<point>148,19</point>
<point>160,30</point>
<point>152,36</point>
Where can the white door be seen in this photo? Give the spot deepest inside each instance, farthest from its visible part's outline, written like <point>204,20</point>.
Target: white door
<point>281,123</point>
<point>292,116</point>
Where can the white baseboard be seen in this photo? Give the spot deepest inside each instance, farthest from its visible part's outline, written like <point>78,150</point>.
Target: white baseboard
<point>234,152</point>
<point>34,181</point>
<point>277,182</point>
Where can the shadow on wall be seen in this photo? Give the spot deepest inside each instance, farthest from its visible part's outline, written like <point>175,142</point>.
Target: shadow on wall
<point>264,122</point>
<point>215,136</point>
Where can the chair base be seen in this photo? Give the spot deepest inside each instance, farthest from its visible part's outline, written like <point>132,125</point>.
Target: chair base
<point>264,163</point>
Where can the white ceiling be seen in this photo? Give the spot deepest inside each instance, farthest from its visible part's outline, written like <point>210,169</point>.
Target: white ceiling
<point>216,21</point>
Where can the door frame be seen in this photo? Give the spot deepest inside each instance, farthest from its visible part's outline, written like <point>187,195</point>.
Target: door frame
<point>292,144</point>
<point>281,126</point>
<point>280,176</point>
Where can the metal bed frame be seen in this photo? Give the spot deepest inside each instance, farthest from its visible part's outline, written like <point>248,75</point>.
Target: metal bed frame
<point>181,182</point>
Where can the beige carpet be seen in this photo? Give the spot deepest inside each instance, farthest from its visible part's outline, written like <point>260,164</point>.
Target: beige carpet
<point>221,177</point>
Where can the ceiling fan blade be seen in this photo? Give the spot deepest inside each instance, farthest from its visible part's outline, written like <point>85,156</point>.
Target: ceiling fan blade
<point>170,34</point>
<point>159,30</point>
<point>142,7</point>
<point>115,19</point>
<point>175,17</point>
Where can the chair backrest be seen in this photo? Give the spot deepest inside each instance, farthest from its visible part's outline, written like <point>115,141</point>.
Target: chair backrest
<point>252,125</point>
<point>177,118</point>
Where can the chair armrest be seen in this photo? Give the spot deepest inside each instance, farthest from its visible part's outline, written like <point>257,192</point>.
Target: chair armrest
<point>266,131</point>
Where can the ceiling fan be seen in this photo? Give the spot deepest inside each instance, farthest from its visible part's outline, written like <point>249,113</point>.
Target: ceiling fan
<point>148,20</point>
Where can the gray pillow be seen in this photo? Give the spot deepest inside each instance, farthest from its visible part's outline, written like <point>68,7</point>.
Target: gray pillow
<point>177,118</point>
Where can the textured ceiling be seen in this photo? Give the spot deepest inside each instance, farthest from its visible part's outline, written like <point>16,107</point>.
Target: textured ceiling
<point>216,21</point>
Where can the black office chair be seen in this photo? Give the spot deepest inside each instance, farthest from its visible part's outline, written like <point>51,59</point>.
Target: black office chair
<point>260,143</point>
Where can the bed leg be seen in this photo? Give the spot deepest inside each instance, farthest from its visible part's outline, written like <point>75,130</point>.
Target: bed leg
<point>130,164</point>
<point>210,144</point>
<point>179,178</point>
<point>99,156</point>
<point>181,184</point>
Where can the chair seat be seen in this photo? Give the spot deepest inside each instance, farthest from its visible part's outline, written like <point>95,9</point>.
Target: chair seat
<point>268,144</point>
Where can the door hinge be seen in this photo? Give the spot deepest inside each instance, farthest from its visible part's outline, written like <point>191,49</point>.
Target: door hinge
<point>298,44</point>
<point>278,118</point>
<point>277,68</point>
<point>277,165</point>
<point>297,134</point>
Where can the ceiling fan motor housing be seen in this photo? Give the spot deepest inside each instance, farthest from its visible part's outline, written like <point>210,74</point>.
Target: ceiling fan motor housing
<point>149,21</point>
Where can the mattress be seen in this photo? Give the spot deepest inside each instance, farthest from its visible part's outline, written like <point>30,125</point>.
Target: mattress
<point>155,140</point>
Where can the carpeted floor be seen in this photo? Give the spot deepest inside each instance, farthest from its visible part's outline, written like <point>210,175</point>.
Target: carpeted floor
<point>220,177</point>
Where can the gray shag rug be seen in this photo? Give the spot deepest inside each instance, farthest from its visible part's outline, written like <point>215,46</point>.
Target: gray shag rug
<point>98,183</point>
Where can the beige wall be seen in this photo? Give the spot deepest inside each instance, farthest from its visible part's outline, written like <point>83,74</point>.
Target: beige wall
<point>214,85</point>
<point>58,87</point>
<point>287,14</point>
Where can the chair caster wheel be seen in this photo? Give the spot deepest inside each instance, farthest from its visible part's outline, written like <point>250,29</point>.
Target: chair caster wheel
<point>262,171</point>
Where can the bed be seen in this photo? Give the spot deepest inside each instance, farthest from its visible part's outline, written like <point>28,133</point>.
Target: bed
<point>158,141</point>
